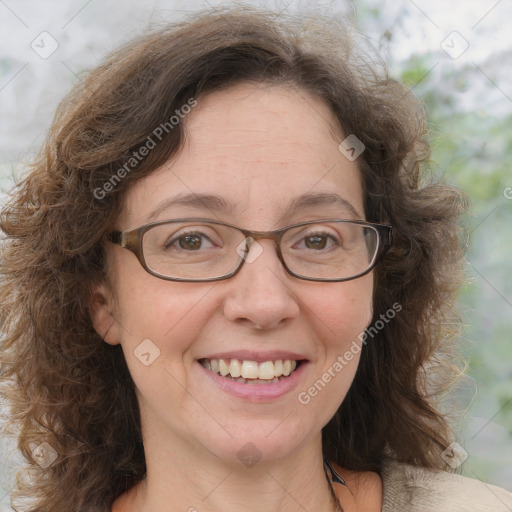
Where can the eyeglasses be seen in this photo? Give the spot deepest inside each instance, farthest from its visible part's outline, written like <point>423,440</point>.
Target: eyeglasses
<point>198,250</point>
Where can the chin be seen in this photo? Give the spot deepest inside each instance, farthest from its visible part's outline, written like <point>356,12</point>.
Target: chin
<point>270,441</point>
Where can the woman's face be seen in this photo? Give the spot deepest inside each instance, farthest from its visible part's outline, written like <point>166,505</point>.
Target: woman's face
<point>258,149</point>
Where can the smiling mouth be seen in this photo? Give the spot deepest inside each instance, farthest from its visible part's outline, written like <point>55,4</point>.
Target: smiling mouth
<point>252,372</point>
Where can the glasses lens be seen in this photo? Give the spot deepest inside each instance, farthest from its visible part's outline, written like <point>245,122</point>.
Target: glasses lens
<point>330,250</point>
<point>192,250</point>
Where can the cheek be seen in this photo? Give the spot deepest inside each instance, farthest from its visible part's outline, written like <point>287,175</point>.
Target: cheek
<point>341,314</point>
<point>160,325</point>
<point>169,314</point>
<point>344,311</point>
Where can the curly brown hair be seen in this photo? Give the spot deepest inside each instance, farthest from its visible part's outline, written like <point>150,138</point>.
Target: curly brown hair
<point>67,387</point>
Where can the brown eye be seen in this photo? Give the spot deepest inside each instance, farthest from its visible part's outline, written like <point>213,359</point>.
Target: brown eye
<point>319,241</point>
<point>190,242</point>
<point>316,242</point>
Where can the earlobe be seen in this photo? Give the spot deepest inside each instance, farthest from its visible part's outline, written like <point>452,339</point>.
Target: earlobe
<point>100,310</point>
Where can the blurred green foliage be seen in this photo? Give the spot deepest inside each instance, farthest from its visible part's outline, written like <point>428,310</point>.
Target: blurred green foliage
<point>472,149</point>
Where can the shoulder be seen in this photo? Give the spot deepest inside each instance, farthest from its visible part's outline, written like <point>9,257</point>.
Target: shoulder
<point>417,489</point>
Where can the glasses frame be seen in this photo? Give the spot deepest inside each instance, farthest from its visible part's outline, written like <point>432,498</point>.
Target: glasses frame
<point>132,241</point>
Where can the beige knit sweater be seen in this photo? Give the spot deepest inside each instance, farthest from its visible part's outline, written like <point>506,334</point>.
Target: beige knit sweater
<point>411,489</point>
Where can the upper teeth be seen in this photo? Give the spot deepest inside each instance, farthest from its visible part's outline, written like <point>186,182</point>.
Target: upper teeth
<point>267,370</point>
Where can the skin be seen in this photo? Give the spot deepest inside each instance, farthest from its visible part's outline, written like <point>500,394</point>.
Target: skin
<point>258,147</point>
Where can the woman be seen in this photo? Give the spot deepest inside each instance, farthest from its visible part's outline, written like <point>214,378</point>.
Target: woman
<point>226,284</point>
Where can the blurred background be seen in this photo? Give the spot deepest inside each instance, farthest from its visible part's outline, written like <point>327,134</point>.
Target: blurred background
<point>456,56</point>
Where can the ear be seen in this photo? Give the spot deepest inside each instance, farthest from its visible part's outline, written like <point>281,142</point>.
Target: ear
<point>100,310</point>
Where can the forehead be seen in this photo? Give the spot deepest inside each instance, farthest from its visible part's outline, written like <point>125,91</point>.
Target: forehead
<point>259,147</point>
<point>278,125</point>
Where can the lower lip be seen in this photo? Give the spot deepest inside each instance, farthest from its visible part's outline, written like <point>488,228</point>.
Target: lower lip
<point>256,392</point>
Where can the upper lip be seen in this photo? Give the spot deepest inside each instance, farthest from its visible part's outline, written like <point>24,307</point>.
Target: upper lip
<point>260,357</point>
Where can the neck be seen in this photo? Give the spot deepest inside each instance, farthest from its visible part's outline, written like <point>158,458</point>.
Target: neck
<point>193,480</point>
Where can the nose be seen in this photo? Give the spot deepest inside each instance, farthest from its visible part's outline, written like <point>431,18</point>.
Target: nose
<point>261,293</point>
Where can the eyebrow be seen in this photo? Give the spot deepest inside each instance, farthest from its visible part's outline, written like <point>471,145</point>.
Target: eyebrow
<point>200,201</point>
<point>218,204</point>
<point>317,199</point>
